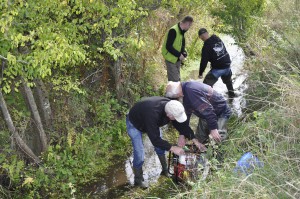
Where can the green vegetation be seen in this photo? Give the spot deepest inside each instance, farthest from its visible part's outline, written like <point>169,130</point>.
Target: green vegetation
<point>77,157</point>
<point>71,69</point>
<point>238,17</point>
<point>270,128</point>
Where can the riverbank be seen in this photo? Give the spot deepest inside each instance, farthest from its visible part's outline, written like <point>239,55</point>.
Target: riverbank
<point>269,129</point>
<point>119,180</point>
<point>87,62</point>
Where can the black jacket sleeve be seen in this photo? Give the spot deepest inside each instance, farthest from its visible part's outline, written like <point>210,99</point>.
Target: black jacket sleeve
<point>183,47</point>
<point>170,40</point>
<point>184,129</point>
<point>153,132</point>
<point>204,60</point>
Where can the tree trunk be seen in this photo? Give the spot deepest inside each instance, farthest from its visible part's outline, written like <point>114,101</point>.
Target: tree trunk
<point>44,104</point>
<point>116,70</point>
<point>22,145</point>
<point>36,115</point>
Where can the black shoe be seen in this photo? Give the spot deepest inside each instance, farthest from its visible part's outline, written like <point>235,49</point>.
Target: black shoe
<point>141,184</point>
<point>165,173</point>
<point>139,179</point>
<point>231,95</point>
<point>164,165</point>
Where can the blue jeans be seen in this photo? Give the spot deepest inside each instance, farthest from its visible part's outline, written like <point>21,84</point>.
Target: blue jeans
<point>213,75</point>
<point>220,72</point>
<point>138,146</point>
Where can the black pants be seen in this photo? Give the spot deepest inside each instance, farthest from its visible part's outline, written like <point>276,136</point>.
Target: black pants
<point>210,79</point>
<point>202,133</point>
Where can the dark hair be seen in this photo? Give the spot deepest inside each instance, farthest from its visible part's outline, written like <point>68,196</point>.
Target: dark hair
<point>202,31</point>
<point>187,19</point>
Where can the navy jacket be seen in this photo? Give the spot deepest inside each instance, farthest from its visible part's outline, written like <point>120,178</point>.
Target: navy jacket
<point>201,100</point>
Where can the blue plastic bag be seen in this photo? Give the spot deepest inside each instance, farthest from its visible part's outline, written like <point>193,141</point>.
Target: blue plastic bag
<point>247,163</point>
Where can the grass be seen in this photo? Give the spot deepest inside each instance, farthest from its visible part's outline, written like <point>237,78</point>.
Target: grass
<point>273,137</point>
<point>270,127</point>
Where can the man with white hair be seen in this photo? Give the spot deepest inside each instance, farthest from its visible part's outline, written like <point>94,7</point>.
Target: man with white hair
<point>201,100</point>
<point>148,115</point>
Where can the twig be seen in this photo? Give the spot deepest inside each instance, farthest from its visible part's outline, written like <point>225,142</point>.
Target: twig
<point>97,71</point>
<point>20,61</point>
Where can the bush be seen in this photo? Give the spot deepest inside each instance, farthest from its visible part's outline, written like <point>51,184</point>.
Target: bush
<point>74,159</point>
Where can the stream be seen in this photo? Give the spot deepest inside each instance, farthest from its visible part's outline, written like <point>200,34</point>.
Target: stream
<point>119,178</point>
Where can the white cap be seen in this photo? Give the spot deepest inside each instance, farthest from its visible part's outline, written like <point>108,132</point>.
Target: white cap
<point>176,109</point>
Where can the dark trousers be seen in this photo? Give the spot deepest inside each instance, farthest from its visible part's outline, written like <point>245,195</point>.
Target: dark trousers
<point>173,71</point>
<point>202,133</point>
<point>213,75</point>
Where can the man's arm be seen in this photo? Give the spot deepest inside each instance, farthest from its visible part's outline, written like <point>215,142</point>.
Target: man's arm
<point>183,50</point>
<point>203,108</point>
<point>184,129</point>
<point>154,135</point>
<point>206,111</point>
<point>153,132</point>
<point>204,60</point>
<point>169,45</point>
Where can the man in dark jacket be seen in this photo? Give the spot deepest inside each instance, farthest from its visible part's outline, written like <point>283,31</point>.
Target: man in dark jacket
<point>173,49</point>
<point>214,51</point>
<point>148,116</point>
<point>201,100</point>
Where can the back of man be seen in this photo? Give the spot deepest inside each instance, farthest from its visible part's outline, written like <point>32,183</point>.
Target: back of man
<point>199,96</point>
<point>210,106</point>
<point>148,116</point>
<point>214,51</point>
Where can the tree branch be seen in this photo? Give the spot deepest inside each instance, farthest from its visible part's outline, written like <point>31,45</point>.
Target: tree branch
<point>22,145</point>
<point>20,61</point>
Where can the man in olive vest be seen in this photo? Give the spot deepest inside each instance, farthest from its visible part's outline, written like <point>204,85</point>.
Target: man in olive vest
<point>173,49</point>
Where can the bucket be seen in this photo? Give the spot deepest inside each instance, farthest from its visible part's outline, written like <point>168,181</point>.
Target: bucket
<point>188,160</point>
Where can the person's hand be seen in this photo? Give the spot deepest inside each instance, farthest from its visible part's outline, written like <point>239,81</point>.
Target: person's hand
<point>181,57</point>
<point>215,135</point>
<point>200,76</point>
<point>181,141</point>
<point>200,146</point>
<point>177,150</point>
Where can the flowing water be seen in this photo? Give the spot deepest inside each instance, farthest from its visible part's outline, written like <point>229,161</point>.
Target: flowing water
<point>120,177</point>
<point>239,75</point>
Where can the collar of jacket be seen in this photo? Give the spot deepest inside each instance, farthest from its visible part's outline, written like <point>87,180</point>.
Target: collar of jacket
<point>182,31</point>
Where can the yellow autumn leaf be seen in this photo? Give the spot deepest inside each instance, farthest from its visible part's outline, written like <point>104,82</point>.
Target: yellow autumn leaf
<point>27,180</point>
<point>185,175</point>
